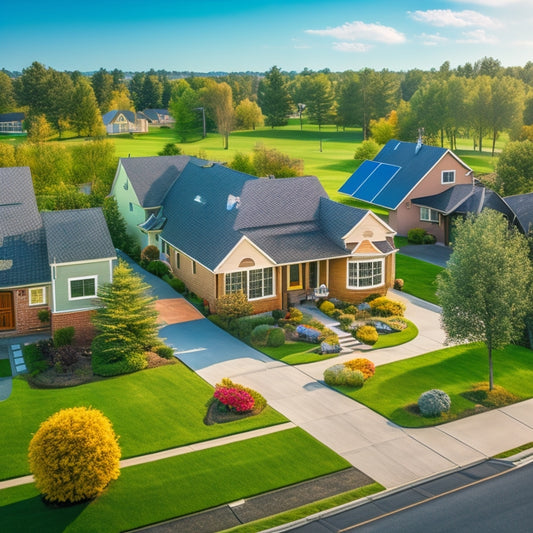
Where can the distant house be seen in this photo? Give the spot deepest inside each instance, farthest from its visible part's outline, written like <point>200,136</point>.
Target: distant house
<point>158,117</point>
<point>276,240</point>
<point>122,121</point>
<point>54,260</point>
<point>403,172</point>
<point>12,123</point>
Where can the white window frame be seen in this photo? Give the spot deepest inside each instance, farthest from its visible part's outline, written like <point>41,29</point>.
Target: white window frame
<point>429,212</point>
<point>43,296</point>
<point>70,280</point>
<point>358,263</point>
<point>451,173</point>
<point>247,283</point>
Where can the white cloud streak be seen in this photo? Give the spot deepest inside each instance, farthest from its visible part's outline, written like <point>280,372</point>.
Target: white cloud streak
<point>352,47</point>
<point>456,19</point>
<point>361,31</point>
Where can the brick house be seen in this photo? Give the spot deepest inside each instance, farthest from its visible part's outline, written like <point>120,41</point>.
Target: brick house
<point>51,261</point>
<point>276,240</point>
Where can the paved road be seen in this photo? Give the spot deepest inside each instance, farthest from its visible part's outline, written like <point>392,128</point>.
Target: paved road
<point>431,253</point>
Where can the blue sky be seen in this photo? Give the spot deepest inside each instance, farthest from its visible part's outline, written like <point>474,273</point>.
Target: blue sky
<point>224,35</point>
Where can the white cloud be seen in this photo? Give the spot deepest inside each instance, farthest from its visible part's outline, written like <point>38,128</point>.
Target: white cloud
<point>432,39</point>
<point>351,47</point>
<point>456,19</point>
<point>360,31</point>
<point>489,3</point>
<point>477,37</point>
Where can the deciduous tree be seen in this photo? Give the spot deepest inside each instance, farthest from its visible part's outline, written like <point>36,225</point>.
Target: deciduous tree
<point>514,172</point>
<point>248,115</point>
<point>485,291</point>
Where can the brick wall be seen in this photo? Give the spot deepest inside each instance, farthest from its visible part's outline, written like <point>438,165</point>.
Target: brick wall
<point>26,319</point>
<point>81,321</point>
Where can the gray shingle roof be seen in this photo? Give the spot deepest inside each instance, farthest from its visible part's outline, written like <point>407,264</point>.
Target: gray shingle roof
<point>522,206</point>
<point>392,174</point>
<point>270,202</point>
<point>77,235</point>
<point>198,221</point>
<point>152,177</point>
<point>22,243</point>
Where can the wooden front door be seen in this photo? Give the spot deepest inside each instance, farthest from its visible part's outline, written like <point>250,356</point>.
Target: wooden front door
<point>7,315</point>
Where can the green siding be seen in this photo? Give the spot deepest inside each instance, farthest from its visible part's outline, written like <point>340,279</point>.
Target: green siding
<point>63,273</point>
<point>125,195</point>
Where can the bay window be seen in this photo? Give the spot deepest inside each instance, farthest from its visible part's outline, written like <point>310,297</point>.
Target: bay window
<point>365,274</point>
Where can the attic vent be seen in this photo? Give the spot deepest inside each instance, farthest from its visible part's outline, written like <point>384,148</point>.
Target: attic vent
<point>368,234</point>
<point>247,262</point>
<point>234,202</point>
<point>200,199</point>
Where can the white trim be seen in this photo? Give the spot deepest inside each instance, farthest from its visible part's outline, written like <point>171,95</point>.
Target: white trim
<point>429,219</point>
<point>378,251</point>
<point>367,260</point>
<point>247,272</point>
<point>71,298</point>
<point>43,291</point>
<point>375,217</point>
<point>217,269</point>
<point>84,262</point>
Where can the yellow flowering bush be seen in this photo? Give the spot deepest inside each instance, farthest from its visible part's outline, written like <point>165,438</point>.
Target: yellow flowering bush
<point>74,455</point>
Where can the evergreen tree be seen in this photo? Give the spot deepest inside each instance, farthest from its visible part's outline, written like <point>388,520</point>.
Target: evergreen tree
<point>102,83</point>
<point>116,225</point>
<point>126,323</point>
<point>7,94</point>
<point>274,98</point>
<point>86,118</point>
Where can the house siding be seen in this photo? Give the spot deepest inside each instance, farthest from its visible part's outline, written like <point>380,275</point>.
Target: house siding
<point>407,216</point>
<point>26,319</point>
<point>101,269</point>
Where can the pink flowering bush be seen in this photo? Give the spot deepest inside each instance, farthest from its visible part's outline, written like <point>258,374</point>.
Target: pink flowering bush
<point>234,398</point>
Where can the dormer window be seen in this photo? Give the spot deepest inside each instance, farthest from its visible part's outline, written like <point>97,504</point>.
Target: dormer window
<point>448,176</point>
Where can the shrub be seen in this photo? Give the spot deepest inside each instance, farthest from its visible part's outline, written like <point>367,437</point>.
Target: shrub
<point>259,401</point>
<point>331,339</point>
<point>243,327</point>
<point>259,334</point>
<point>33,357</point>
<point>43,315</point>
<point>367,367</point>
<point>308,333</point>
<point>398,284</point>
<point>234,305</point>
<point>429,239</point>
<point>338,375</point>
<point>382,306</point>
<point>416,235</point>
<point>346,321</point>
<point>167,352</point>
<point>234,399</point>
<point>278,314</point>
<point>366,334</point>
<point>295,315</point>
<point>434,402</point>
<point>276,337</point>
<point>158,268</point>
<point>371,297</point>
<point>317,325</point>
<point>63,336</point>
<point>351,309</point>
<point>150,253</point>
<point>176,284</point>
<point>336,313</point>
<point>330,344</point>
<point>74,455</point>
<point>326,307</point>
<point>65,356</point>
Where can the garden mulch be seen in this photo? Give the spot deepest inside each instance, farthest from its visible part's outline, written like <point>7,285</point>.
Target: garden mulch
<point>264,505</point>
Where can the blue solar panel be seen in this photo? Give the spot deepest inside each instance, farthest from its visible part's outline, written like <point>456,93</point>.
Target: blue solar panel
<point>376,181</point>
<point>358,177</point>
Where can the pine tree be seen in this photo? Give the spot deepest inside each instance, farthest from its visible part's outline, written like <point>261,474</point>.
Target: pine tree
<point>274,98</point>
<point>126,323</point>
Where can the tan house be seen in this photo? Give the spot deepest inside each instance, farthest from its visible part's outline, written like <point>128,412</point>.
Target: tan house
<point>276,240</point>
<point>404,172</point>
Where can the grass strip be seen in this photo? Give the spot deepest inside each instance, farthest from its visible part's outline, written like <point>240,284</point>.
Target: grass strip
<point>178,486</point>
<point>420,278</point>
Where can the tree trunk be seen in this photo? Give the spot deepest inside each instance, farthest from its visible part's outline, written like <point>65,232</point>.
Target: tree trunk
<point>491,377</point>
<point>494,135</point>
<point>480,139</point>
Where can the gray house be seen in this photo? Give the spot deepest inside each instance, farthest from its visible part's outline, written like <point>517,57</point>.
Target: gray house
<point>49,261</point>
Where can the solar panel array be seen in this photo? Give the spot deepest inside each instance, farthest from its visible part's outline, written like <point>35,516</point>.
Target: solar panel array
<point>369,183</point>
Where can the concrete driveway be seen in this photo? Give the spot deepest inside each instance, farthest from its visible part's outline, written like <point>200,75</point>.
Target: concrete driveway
<point>391,455</point>
<point>431,253</point>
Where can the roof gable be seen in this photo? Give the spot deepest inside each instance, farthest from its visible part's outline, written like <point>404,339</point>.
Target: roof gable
<point>77,235</point>
<point>393,173</point>
<point>522,206</point>
<point>22,243</point>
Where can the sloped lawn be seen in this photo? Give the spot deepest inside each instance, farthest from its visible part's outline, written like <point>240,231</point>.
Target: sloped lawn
<point>419,277</point>
<point>454,370</point>
<point>177,486</point>
<point>151,410</point>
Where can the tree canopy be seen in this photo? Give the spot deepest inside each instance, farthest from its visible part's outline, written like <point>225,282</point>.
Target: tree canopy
<point>485,291</point>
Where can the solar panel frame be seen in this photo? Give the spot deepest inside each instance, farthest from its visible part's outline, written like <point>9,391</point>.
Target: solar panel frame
<point>358,178</point>
<point>376,182</point>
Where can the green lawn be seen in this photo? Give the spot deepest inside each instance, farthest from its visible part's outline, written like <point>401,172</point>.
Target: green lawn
<point>395,339</point>
<point>294,353</point>
<point>454,370</point>
<point>419,277</point>
<point>150,410</point>
<point>5,368</point>
<point>177,486</point>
